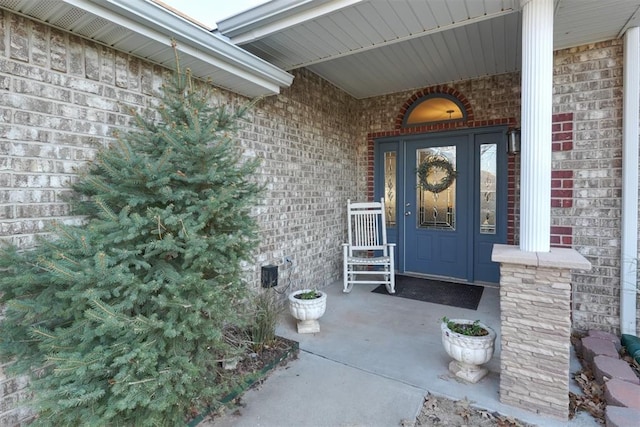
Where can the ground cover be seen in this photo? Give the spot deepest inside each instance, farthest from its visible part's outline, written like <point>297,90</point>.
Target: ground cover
<point>252,369</point>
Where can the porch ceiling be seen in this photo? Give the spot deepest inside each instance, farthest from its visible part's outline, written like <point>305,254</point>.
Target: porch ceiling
<point>375,47</point>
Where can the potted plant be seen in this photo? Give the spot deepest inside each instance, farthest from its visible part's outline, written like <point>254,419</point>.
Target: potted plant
<point>470,343</point>
<point>307,306</point>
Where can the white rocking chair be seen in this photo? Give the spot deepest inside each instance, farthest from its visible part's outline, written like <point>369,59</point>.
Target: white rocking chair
<point>368,258</point>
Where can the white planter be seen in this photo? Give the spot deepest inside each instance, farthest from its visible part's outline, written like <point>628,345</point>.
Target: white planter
<point>469,352</point>
<point>307,311</point>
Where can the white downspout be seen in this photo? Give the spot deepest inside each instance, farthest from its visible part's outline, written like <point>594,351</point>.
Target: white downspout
<point>630,128</point>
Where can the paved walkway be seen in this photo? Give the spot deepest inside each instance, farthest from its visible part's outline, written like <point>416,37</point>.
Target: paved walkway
<point>371,364</point>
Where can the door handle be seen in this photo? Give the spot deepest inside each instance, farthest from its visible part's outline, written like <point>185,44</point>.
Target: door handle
<point>407,213</point>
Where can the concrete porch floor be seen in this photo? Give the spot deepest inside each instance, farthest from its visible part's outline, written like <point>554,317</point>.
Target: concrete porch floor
<point>372,363</point>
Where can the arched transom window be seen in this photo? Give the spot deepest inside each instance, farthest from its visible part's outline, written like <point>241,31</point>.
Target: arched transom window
<point>435,108</point>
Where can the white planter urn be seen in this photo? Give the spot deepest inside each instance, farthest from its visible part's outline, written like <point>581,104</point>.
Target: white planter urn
<point>468,352</point>
<point>307,311</point>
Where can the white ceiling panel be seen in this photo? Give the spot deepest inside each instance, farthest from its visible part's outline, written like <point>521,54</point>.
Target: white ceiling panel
<point>586,21</point>
<point>373,47</point>
<point>456,54</point>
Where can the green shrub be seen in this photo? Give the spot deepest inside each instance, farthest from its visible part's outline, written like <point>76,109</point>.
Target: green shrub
<point>120,321</point>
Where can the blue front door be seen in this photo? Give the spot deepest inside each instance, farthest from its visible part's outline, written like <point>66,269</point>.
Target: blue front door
<point>436,222</point>
<point>446,196</point>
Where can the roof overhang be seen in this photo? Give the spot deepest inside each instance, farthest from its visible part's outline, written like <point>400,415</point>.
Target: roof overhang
<point>373,47</point>
<point>146,29</point>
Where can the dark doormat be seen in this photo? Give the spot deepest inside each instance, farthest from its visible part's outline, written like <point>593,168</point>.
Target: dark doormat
<point>435,291</point>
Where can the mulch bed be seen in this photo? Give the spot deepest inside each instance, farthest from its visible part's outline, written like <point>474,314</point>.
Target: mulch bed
<point>253,369</point>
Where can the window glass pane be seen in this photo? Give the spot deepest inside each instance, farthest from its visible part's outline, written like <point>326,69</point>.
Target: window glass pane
<point>434,110</point>
<point>436,187</point>
<point>487,188</point>
<point>390,159</point>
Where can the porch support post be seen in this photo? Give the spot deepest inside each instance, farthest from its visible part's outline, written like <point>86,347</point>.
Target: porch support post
<point>537,87</point>
<point>535,279</point>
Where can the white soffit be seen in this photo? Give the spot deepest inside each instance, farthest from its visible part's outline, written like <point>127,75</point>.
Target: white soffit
<point>375,47</point>
<point>323,30</point>
<point>145,29</point>
<point>579,22</point>
<point>460,53</point>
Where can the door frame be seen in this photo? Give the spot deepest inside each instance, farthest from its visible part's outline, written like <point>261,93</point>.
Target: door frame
<point>398,145</point>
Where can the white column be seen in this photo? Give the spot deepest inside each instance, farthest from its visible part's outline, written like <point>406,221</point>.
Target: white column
<point>630,125</point>
<point>537,86</point>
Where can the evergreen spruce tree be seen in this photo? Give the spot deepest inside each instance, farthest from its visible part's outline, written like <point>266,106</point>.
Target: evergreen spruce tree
<point>120,321</point>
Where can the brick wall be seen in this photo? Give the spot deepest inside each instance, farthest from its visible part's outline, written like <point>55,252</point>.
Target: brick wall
<point>64,96</point>
<point>62,99</point>
<point>588,85</point>
<point>312,163</point>
<point>490,98</point>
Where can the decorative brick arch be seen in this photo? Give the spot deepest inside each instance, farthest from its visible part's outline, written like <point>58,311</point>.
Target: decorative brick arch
<point>440,89</point>
<point>424,128</point>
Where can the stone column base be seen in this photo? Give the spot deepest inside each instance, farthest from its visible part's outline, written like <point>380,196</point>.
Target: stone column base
<point>535,311</point>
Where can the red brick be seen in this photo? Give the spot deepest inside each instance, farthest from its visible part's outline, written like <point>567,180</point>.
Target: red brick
<point>562,174</point>
<point>561,193</point>
<point>562,136</point>
<point>564,117</point>
<point>561,230</point>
